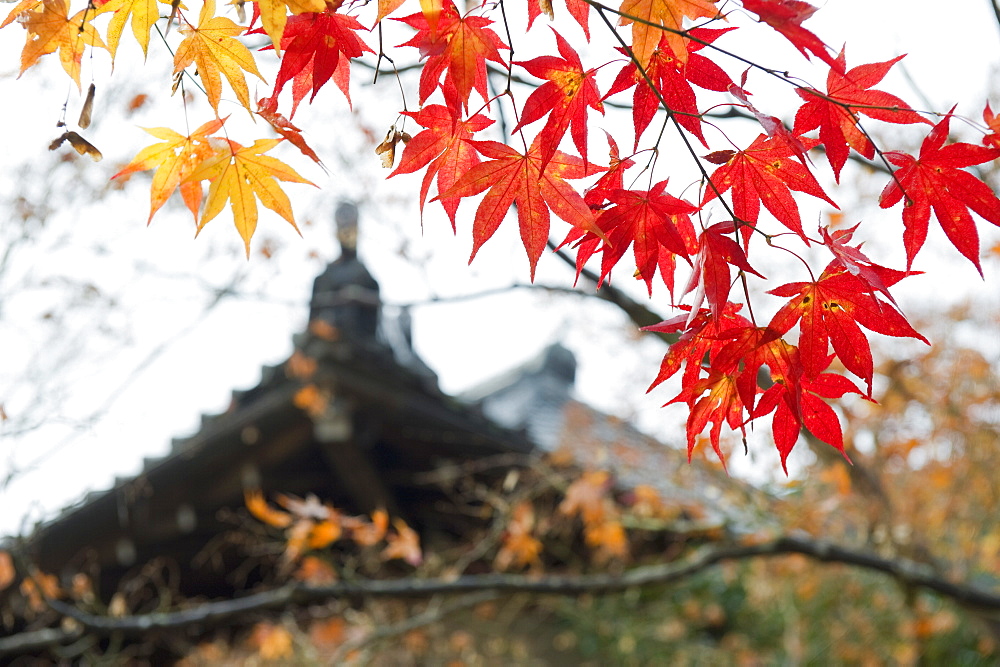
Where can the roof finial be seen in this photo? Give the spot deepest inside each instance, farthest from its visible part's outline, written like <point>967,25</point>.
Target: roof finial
<point>346,218</point>
<point>346,295</point>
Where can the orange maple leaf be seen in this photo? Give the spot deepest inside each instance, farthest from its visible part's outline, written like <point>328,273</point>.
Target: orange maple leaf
<point>51,29</point>
<point>19,9</point>
<point>242,175</point>
<point>669,14</point>
<point>174,159</point>
<point>213,48</point>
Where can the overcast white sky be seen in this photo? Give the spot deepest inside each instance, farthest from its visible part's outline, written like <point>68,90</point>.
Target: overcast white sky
<point>112,346</point>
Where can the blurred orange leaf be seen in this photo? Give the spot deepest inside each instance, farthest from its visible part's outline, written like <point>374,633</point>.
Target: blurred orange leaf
<point>404,544</point>
<point>7,571</point>
<point>520,547</point>
<point>324,534</point>
<point>263,512</point>
<point>324,330</point>
<point>328,633</point>
<point>272,642</point>
<point>608,537</point>
<point>368,533</point>
<point>586,497</point>
<point>49,586</point>
<point>310,399</point>
<point>300,366</point>
<point>315,570</point>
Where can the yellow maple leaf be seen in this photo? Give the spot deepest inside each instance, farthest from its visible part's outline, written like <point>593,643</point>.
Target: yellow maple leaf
<point>670,14</point>
<point>174,159</point>
<point>274,15</point>
<point>144,14</point>
<point>212,47</point>
<point>241,175</point>
<point>50,29</point>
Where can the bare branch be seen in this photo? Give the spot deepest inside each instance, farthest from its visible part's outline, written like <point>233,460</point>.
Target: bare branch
<point>906,572</point>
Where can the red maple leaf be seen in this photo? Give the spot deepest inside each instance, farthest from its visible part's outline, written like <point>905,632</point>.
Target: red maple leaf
<point>935,180</point>
<point>610,180</point>
<point>672,79</point>
<point>766,172</point>
<point>856,262</point>
<point>830,310</point>
<point>794,399</point>
<point>805,407</point>
<point>267,108</point>
<point>711,276</point>
<point>700,339</point>
<point>656,224</point>
<point>596,197</point>
<point>749,350</point>
<point>535,188</point>
<point>443,149</point>
<point>722,405</point>
<point>564,98</point>
<point>312,46</point>
<point>456,46</point>
<point>835,112</point>
<point>786,16</point>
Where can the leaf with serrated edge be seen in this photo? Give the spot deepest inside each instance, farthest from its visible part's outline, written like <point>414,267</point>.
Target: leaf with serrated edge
<point>241,175</point>
<point>212,47</point>
<point>144,14</point>
<point>174,159</point>
<point>51,29</point>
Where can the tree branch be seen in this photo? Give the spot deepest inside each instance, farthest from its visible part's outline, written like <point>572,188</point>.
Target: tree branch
<point>907,572</point>
<point>640,315</point>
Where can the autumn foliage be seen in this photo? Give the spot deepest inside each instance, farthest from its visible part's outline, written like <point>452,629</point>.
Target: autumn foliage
<point>670,61</point>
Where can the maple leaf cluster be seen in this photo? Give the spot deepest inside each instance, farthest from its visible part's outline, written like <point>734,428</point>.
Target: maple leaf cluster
<point>671,55</point>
